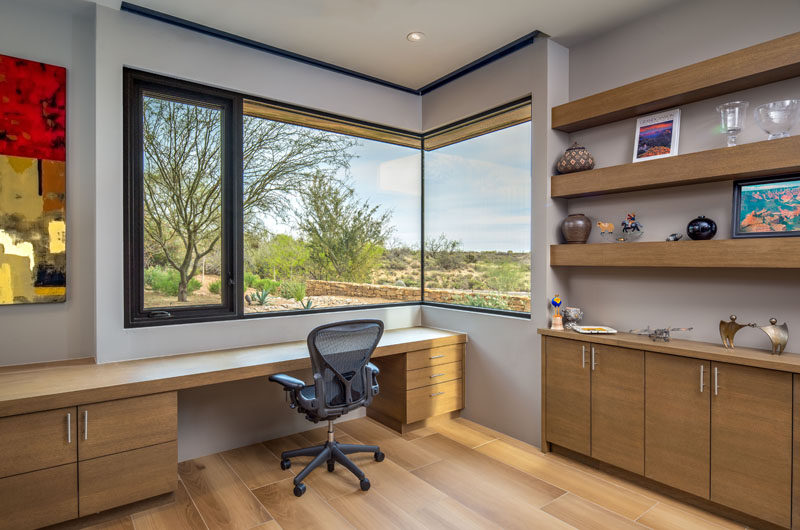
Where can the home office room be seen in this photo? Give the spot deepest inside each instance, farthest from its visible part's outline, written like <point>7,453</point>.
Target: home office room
<point>380,264</point>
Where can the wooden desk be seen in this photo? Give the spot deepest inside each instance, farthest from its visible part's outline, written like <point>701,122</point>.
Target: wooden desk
<point>70,432</point>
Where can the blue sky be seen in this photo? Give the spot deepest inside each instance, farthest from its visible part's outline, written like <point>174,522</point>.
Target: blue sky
<point>477,191</point>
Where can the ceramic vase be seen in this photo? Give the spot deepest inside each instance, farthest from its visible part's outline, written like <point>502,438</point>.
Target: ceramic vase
<point>576,158</point>
<point>701,228</point>
<point>576,228</point>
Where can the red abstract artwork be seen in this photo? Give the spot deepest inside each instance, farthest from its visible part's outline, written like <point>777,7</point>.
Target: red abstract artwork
<point>32,109</point>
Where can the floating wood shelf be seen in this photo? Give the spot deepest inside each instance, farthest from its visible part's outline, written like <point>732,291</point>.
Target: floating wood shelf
<point>770,157</point>
<point>764,63</point>
<point>767,253</point>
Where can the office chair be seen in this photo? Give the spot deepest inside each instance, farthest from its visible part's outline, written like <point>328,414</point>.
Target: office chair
<point>344,380</point>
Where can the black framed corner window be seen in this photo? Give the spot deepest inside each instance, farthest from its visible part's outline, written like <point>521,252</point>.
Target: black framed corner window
<point>182,198</point>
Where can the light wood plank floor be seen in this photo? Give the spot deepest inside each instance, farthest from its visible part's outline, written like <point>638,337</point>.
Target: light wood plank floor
<point>455,474</point>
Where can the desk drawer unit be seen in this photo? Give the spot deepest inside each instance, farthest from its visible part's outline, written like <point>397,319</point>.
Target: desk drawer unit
<point>419,385</point>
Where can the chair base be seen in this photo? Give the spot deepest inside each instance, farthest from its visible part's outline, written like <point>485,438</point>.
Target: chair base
<point>331,452</point>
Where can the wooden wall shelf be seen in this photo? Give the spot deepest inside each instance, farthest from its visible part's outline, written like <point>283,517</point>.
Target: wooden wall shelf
<point>757,65</point>
<point>770,157</point>
<point>768,253</point>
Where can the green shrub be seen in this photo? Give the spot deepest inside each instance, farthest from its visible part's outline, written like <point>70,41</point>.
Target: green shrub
<point>249,278</point>
<point>293,290</point>
<point>214,286</point>
<point>166,281</point>
<point>491,301</point>
<point>266,284</point>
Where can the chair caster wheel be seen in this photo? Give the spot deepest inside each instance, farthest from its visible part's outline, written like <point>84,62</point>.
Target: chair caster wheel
<point>364,484</point>
<point>299,490</point>
<point>379,456</point>
<point>330,467</point>
<point>285,464</point>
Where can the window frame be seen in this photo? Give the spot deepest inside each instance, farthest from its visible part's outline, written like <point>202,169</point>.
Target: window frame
<point>234,105</point>
<point>135,85</point>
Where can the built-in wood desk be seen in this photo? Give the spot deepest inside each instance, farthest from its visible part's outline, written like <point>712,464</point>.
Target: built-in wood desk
<point>76,439</point>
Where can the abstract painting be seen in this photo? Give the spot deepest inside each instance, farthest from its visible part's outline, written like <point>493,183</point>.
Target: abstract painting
<point>767,207</point>
<point>33,251</point>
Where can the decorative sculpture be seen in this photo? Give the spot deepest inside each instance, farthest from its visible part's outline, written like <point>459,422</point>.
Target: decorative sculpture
<point>727,330</point>
<point>658,334</point>
<point>778,335</point>
<point>558,323</point>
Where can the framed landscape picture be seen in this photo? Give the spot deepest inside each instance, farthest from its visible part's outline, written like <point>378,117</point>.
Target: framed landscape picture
<point>767,207</point>
<point>657,135</point>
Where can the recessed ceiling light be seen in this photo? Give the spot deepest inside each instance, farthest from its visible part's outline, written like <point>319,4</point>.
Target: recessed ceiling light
<point>415,36</point>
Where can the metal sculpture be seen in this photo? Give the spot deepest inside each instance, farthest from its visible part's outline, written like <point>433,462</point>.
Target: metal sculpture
<point>727,330</point>
<point>658,334</point>
<point>778,335</point>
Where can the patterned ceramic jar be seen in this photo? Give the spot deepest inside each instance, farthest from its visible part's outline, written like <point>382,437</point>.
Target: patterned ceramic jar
<point>576,158</point>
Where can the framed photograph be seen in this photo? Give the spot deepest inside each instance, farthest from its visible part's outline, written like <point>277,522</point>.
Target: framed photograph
<point>767,207</point>
<point>657,135</point>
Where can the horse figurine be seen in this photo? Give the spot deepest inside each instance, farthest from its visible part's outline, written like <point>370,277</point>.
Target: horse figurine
<point>605,227</point>
<point>630,224</point>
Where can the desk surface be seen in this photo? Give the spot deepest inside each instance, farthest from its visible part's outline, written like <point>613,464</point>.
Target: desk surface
<point>31,388</point>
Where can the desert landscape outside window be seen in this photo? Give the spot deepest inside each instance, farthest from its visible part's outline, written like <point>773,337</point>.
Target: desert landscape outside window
<point>477,221</point>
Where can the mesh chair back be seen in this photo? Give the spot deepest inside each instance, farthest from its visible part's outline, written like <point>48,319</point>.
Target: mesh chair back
<point>339,353</point>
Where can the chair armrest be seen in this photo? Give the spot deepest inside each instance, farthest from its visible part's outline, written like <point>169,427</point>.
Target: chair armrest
<point>375,369</point>
<point>288,382</point>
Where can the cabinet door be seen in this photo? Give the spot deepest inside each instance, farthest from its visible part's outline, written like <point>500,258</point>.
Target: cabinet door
<point>678,422</point>
<point>618,406</point>
<point>751,441</point>
<point>124,424</point>
<point>39,498</point>
<point>567,394</point>
<point>36,441</point>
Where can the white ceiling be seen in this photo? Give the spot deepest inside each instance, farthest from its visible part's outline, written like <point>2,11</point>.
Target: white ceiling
<point>369,35</point>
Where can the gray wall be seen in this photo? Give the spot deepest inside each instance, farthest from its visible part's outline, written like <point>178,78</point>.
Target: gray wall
<point>62,35</point>
<point>627,299</point>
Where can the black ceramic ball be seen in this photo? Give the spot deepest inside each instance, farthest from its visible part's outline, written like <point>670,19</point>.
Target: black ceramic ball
<point>701,228</point>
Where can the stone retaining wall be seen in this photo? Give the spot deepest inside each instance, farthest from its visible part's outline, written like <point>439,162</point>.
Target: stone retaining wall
<point>408,294</point>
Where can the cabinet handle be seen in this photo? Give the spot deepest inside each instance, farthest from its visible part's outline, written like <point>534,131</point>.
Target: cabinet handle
<point>437,356</point>
<point>716,380</point>
<point>702,378</point>
<point>437,394</point>
<point>583,356</point>
<point>437,375</point>
<point>594,363</point>
<point>69,427</point>
<point>85,424</point>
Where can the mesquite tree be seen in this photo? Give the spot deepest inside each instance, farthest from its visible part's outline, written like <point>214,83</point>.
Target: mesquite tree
<point>183,157</point>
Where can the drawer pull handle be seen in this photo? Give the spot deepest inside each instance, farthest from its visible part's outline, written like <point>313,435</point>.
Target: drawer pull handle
<point>437,394</point>
<point>437,375</point>
<point>69,427</point>
<point>85,424</point>
<point>437,356</point>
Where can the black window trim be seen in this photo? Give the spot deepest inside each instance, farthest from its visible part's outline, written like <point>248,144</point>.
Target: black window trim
<point>232,307</point>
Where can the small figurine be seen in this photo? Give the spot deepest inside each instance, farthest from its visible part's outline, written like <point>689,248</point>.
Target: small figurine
<point>558,323</point>
<point>571,316</point>
<point>630,224</point>
<point>674,237</point>
<point>658,334</point>
<point>727,330</point>
<point>605,227</point>
<point>778,335</point>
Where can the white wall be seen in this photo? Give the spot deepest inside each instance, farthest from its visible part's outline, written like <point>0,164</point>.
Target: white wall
<point>62,35</point>
<point>503,364</point>
<point>625,298</point>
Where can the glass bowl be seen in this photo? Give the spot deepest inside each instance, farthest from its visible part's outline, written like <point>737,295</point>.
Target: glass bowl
<point>778,117</point>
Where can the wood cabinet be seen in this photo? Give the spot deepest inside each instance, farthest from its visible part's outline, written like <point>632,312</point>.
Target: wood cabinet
<point>122,478</point>
<point>567,394</point>
<point>618,406</point>
<point>751,441</point>
<point>29,442</point>
<point>124,424</point>
<point>678,422</point>
<point>419,385</point>
<point>39,498</point>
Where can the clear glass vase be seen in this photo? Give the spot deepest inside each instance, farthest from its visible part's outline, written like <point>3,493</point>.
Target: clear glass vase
<point>778,117</point>
<point>732,114</point>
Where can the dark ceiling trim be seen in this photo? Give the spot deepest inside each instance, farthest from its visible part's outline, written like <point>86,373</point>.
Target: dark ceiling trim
<point>243,41</point>
<point>499,53</point>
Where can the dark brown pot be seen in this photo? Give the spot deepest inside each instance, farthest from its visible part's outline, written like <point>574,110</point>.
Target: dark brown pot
<point>576,228</point>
